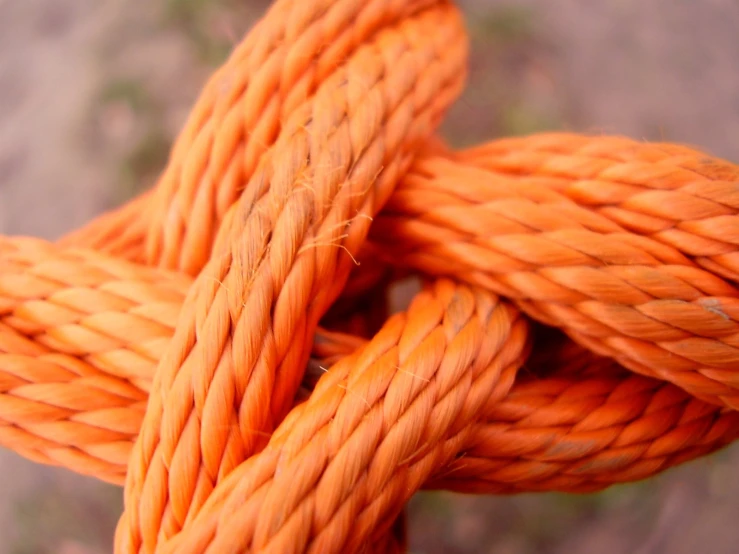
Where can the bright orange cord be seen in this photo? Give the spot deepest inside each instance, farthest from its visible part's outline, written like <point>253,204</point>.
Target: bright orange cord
<point>174,345</point>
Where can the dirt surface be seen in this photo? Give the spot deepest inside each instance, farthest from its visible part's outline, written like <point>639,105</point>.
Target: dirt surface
<point>93,91</point>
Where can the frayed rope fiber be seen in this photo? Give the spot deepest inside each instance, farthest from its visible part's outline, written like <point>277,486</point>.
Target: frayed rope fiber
<point>222,345</point>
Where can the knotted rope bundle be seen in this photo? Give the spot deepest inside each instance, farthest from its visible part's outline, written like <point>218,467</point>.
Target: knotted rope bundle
<point>221,344</point>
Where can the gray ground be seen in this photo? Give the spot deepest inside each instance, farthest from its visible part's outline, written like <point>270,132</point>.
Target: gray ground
<point>92,91</point>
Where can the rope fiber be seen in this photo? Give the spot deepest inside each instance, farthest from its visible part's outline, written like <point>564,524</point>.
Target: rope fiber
<point>224,347</point>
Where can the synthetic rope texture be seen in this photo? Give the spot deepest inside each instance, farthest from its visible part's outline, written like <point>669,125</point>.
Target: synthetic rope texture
<point>222,344</point>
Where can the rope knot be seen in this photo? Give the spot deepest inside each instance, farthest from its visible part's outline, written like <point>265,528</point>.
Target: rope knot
<point>223,343</point>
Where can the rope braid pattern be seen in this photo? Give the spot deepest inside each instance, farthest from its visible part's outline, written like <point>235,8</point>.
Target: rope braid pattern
<point>587,240</point>
<point>221,344</point>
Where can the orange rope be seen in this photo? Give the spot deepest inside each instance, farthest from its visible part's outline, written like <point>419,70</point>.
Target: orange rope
<point>174,345</point>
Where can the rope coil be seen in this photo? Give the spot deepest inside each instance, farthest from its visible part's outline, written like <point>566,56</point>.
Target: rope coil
<point>221,345</point>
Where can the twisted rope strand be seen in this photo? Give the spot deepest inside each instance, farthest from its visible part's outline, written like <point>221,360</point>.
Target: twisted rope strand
<point>573,422</point>
<point>377,424</point>
<point>313,180</point>
<point>237,118</point>
<point>27,407</point>
<point>529,231</point>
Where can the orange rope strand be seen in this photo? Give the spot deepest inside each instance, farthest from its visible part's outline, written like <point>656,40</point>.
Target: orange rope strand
<point>583,236</point>
<point>221,345</point>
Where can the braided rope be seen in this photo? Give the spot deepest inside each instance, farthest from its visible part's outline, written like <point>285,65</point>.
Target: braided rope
<point>221,345</point>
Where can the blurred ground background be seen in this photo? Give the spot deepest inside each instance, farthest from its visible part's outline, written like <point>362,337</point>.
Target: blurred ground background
<point>92,93</point>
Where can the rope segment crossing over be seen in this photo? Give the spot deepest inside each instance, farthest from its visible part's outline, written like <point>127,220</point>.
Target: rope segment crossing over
<point>221,347</point>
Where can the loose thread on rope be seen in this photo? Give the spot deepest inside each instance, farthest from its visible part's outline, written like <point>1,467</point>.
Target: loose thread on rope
<point>222,345</point>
